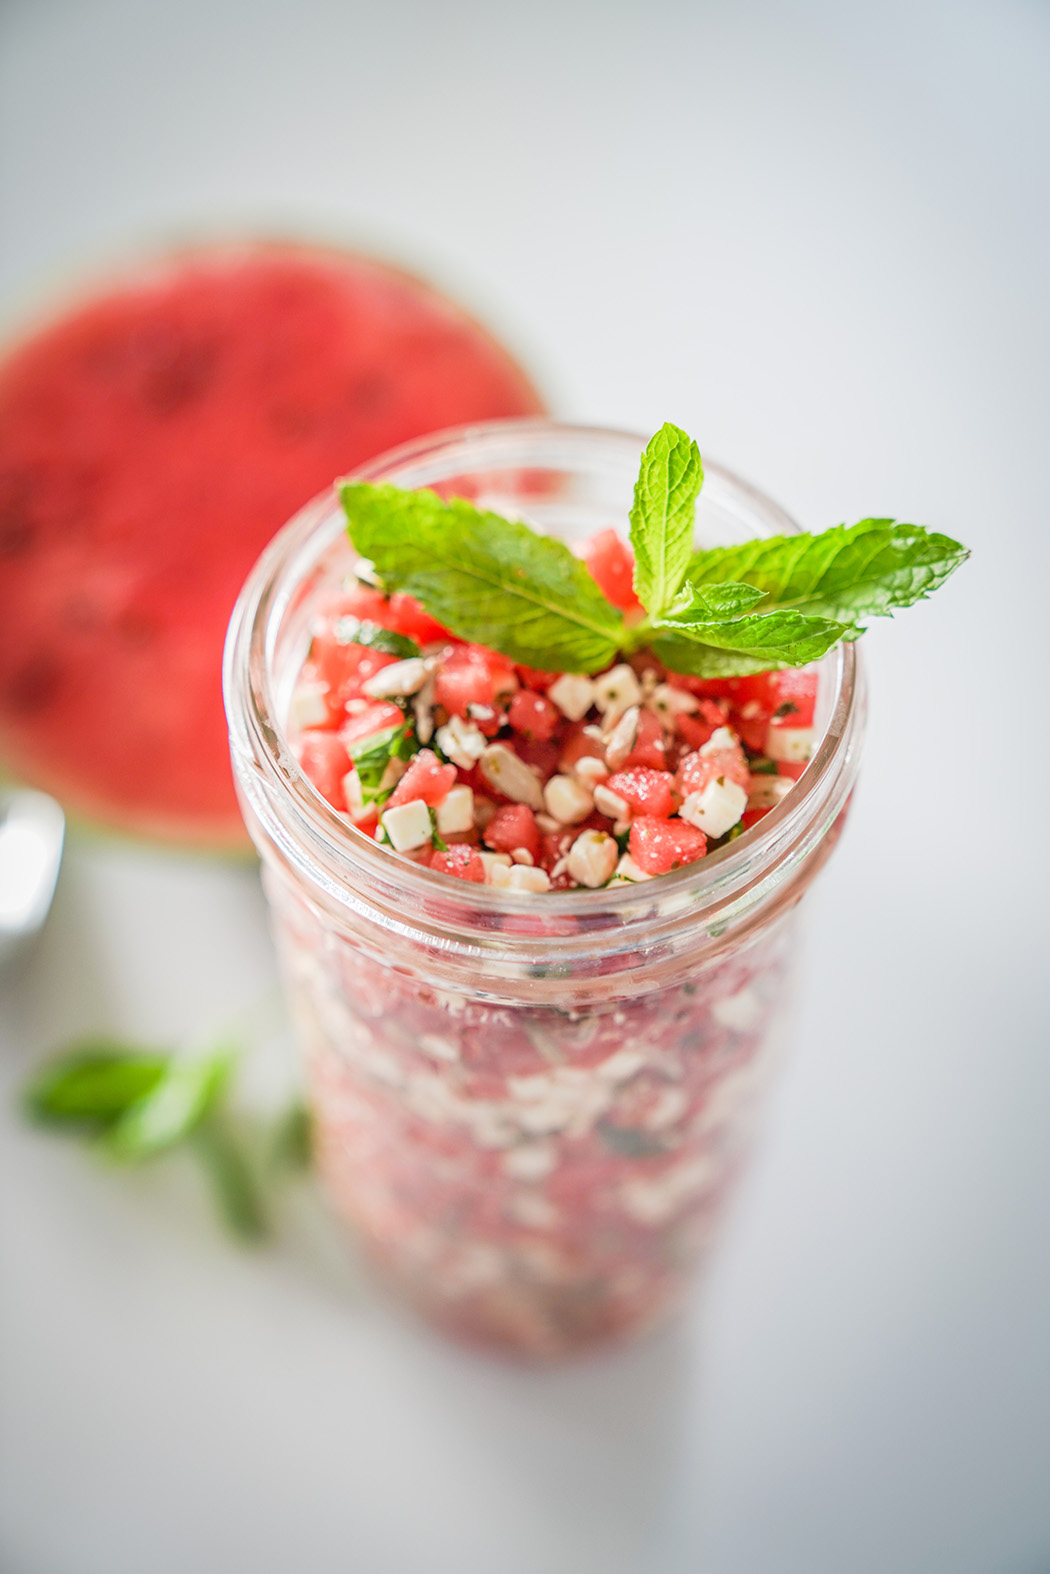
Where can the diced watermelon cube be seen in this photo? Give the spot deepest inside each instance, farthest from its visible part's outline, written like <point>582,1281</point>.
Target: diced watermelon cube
<point>344,666</point>
<point>793,696</point>
<point>325,761</point>
<point>533,678</point>
<point>580,745</point>
<point>658,846</point>
<point>543,757</point>
<point>426,779</point>
<point>404,615</point>
<point>791,768</point>
<point>696,770</point>
<point>649,749</point>
<point>533,716</point>
<point>375,718</point>
<point>513,826</point>
<point>460,860</point>
<point>648,792</point>
<point>611,565</point>
<point>471,675</point>
<point>696,727</point>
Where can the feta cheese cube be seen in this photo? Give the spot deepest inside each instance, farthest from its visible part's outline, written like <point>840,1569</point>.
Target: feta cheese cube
<point>455,812</point>
<point>521,878</point>
<point>396,679</point>
<point>628,872</point>
<point>590,770</point>
<point>592,858</point>
<point>669,702</point>
<point>493,862</point>
<point>309,707</point>
<point>616,691</point>
<point>461,742</point>
<point>792,744</point>
<point>509,775</point>
<point>622,738</point>
<point>610,803</point>
<point>721,738</point>
<point>573,693</point>
<point>408,825</point>
<point>567,801</point>
<point>717,809</point>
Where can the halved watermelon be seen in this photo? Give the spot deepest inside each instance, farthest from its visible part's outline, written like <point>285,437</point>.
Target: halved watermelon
<point>152,440</point>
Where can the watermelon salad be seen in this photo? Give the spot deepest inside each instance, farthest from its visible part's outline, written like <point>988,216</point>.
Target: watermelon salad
<point>533,1177</point>
<point>453,756</point>
<point>531,1110</point>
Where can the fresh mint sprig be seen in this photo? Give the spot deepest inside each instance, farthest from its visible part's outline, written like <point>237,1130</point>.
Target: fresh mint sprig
<point>135,1105</point>
<point>780,601</point>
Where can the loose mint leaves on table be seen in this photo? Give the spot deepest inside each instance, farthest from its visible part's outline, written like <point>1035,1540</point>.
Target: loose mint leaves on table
<point>134,1105</point>
<point>778,601</point>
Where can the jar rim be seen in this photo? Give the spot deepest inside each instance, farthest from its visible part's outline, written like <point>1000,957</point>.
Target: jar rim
<point>343,862</point>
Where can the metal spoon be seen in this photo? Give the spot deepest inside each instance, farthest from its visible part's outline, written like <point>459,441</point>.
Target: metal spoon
<point>32,831</point>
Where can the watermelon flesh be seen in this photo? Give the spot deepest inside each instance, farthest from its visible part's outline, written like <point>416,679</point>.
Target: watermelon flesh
<point>152,441</point>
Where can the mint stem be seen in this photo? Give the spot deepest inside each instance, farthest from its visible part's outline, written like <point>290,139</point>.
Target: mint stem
<point>232,1183</point>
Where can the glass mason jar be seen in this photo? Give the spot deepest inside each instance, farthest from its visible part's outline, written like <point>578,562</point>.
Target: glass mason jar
<point>529,1108</point>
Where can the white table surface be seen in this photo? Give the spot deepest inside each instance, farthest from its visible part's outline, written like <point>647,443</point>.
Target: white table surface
<point>815,235</point>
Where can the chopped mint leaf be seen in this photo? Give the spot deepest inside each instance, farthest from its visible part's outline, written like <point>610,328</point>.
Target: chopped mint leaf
<point>372,755</point>
<point>630,1143</point>
<point>663,516</point>
<point>172,1108</point>
<point>760,766</point>
<point>846,573</point>
<point>758,643</point>
<point>92,1085</point>
<point>359,631</point>
<point>488,579</point>
<point>441,846</point>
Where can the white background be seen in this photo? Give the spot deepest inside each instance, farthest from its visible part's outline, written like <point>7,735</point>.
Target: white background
<point>815,235</point>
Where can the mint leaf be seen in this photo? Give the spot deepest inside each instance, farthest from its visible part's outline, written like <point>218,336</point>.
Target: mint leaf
<point>663,517</point>
<point>91,1086</point>
<point>349,630</point>
<point>172,1108</point>
<point>488,579</point>
<point>846,573</point>
<point>714,603</point>
<point>737,646</point>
